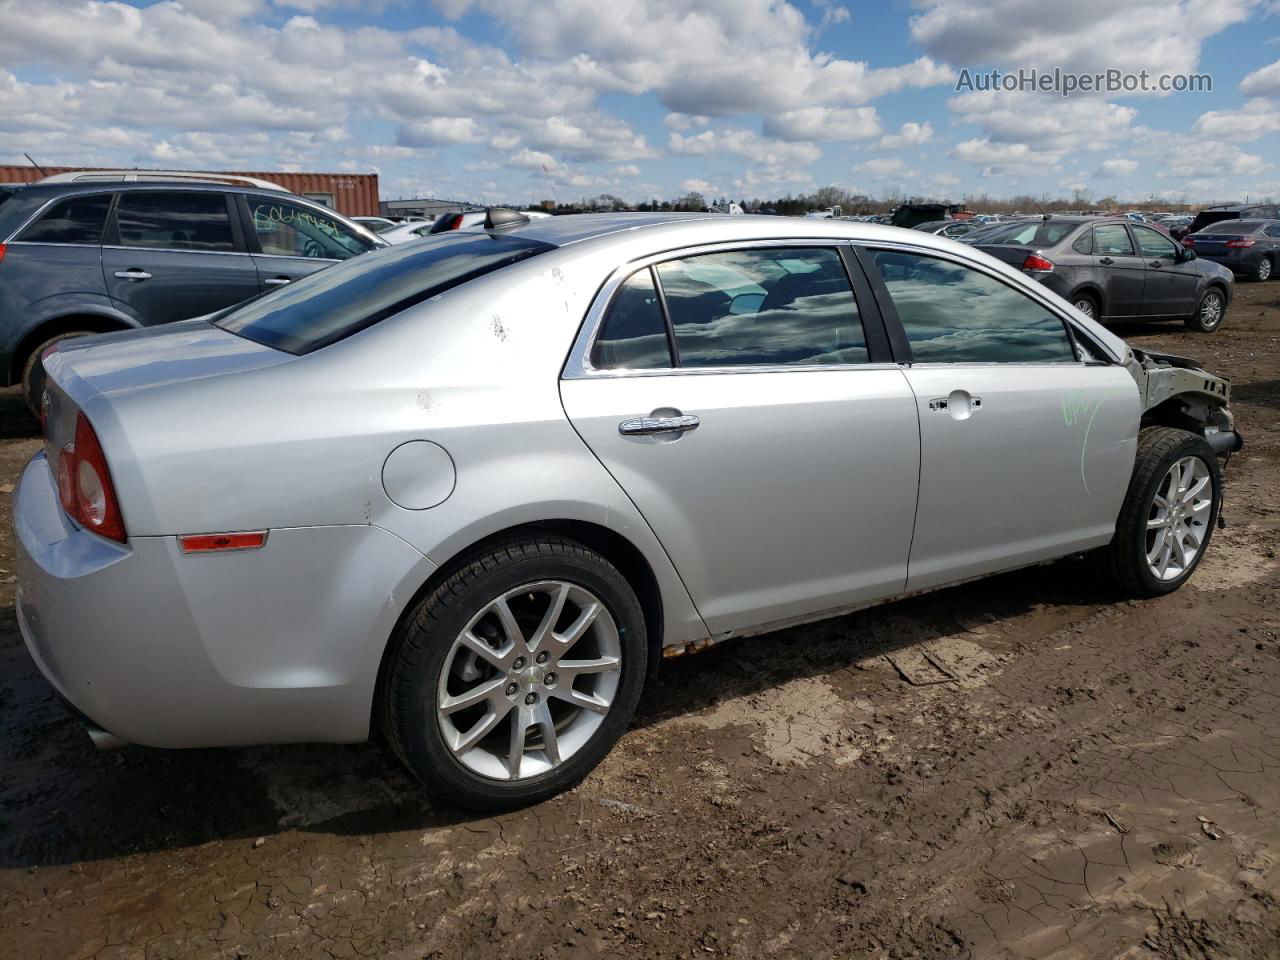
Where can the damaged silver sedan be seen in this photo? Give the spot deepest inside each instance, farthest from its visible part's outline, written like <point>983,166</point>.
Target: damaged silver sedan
<point>472,489</point>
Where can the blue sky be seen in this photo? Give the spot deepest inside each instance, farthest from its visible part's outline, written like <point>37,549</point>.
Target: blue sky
<point>506,100</point>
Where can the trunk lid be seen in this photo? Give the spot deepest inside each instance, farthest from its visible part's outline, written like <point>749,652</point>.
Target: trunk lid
<point>1012,255</point>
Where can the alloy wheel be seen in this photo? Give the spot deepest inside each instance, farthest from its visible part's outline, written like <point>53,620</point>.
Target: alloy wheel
<point>1211,311</point>
<point>1264,269</point>
<point>1178,521</point>
<point>529,680</point>
<point>1085,306</point>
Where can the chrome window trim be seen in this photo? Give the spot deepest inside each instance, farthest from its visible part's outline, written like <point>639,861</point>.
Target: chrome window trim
<point>1036,293</point>
<point>578,366</point>
<point>49,243</point>
<point>216,253</point>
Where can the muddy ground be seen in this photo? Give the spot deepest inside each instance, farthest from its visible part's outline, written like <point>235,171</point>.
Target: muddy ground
<point>1103,780</point>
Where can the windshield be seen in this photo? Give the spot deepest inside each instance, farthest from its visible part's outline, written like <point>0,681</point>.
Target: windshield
<point>338,301</point>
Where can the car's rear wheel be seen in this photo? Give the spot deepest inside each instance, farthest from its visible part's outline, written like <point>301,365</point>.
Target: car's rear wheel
<point>1168,514</point>
<point>1209,312</point>
<point>1086,304</point>
<point>1262,270</point>
<point>514,677</point>
<point>33,369</point>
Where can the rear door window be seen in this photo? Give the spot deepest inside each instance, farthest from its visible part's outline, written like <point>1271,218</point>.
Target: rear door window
<point>75,220</point>
<point>1273,230</point>
<point>1112,240</point>
<point>338,301</point>
<point>955,314</point>
<point>285,229</point>
<point>174,220</point>
<point>781,306</point>
<point>634,333</point>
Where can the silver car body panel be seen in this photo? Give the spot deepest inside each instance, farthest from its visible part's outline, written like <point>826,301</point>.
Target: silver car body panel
<point>795,497</point>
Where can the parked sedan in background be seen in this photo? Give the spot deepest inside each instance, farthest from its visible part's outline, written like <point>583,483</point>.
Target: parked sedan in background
<point>472,489</point>
<point>87,257</point>
<point>1247,247</point>
<point>376,224</point>
<point>1117,269</point>
<point>402,232</point>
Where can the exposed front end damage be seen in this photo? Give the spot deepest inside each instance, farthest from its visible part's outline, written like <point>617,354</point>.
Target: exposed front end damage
<point>1177,392</point>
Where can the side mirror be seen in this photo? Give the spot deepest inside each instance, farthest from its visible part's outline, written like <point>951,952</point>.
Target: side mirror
<point>1185,254</point>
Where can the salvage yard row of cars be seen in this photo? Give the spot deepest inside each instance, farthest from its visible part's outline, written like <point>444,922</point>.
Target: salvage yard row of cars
<point>470,489</point>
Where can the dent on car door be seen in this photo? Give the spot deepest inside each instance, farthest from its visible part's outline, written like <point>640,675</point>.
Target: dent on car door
<point>170,255</point>
<point>731,396</point>
<point>1172,283</point>
<point>1026,450</point>
<point>1122,272</point>
<point>291,240</point>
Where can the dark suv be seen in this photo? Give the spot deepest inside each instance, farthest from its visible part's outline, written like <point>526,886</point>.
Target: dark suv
<point>80,258</point>
<point>1227,211</point>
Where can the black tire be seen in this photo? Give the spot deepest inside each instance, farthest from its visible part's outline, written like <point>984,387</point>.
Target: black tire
<point>33,370</point>
<point>1124,561</point>
<point>1263,270</point>
<point>420,652</point>
<point>1087,304</point>
<point>1199,321</point>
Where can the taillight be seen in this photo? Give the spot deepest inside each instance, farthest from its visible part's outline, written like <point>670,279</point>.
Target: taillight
<point>1241,243</point>
<point>1188,241</point>
<point>2,249</point>
<point>84,484</point>
<point>1037,263</point>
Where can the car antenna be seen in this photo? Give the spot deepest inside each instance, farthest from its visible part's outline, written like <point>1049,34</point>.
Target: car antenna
<point>36,165</point>
<point>495,217</point>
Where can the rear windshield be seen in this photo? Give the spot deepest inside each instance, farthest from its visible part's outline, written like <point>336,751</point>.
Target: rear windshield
<point>1236,226</point>
<point>1035,233</point>
<point>1203,220</point>
<point>338,301</point>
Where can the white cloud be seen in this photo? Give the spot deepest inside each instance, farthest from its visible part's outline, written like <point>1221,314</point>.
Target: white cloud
<point>438,131</point>
<point>1163,36</point>
<point>1117,167</point>
<point>996,158</point>
<point>695,185</point>
<point>1258,118</point>
<point>881,166</point>
<point>1263,81</point>
<point>1048,122</point>
<point>910,135</point>
<point>824,123</point>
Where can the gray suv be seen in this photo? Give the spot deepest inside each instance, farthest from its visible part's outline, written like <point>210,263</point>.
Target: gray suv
<point>81,258</point>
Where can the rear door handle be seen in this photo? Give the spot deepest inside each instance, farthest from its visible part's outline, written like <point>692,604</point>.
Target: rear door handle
<point>1156,263</point>
<point>1106,261</point>
<point>276,281</point>
<point>643,426</point>
<point>133,273</point>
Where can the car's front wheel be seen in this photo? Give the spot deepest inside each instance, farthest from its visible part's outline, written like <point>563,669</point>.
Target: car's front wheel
<point>1209,312</point>
<point>514,677</point>
<point>1168,514</point>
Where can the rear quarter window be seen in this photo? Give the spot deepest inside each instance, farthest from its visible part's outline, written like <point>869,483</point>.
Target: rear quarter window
<point>75,220</point>
<point>334,303</point>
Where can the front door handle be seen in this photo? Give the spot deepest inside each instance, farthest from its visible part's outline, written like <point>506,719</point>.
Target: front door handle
<point>645,426</point>
<point>276,281</point>
<point>133,273</point>
<point>959,403</point>
<point>1106,261</point>
<point>1156,263</point>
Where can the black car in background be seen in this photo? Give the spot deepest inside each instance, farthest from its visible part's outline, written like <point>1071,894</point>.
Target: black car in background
<point>92,257</point>
<point>1115,269</point>
<point>1247,247</point>
<point>1227,211</point>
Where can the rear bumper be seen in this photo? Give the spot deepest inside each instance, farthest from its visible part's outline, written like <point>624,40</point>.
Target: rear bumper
<point>164,649</point>
<point>1237,261</point>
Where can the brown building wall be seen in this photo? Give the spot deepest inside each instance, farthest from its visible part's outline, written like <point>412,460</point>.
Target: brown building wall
<point>354,194</point>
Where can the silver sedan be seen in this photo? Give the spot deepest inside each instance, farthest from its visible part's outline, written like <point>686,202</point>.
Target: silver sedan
<point>474,488</point>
